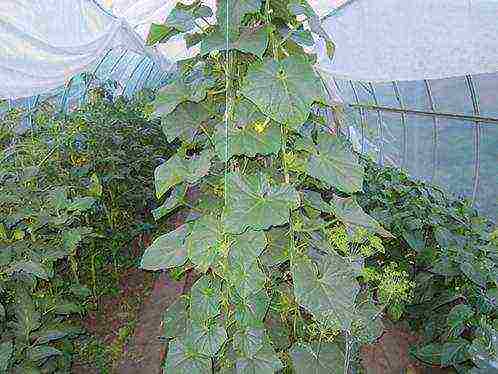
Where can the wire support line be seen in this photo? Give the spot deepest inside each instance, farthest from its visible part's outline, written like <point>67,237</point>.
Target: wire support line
<point>462,117</point>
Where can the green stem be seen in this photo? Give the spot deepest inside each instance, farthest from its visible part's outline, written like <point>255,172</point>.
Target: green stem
<point>283,134</point>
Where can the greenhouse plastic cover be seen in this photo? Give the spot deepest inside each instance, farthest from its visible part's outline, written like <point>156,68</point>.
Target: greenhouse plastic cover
<point>418,77</point>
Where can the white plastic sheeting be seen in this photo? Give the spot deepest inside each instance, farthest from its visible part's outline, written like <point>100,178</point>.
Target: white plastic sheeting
<point>386,40</point>
<point>43,44</point>
<point>411,73</point>
<point>420,84</point>
<point>140,14</point>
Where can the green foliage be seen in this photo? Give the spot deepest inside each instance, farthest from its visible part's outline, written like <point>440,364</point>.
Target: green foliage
<point>73,191</point>
<point>277,286</point>
<point>440,272</point>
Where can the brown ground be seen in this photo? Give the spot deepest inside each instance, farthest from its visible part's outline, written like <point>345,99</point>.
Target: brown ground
<point>142,299</point>
<point>390,355</point>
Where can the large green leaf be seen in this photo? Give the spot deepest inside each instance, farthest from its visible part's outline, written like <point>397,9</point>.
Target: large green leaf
<point>167,251</point>
<point>231,12</point>
<point>457,317</point>
<point>254,203</point>
<point>314,200</point>
<point>204,243</point>
<point>174,320</point>
<point>317,358</point>
<point>177,170</point>
<point>331,293</point>
<point>27,317</point>
<point>249,141</point>
<point>335,164</point>
<point>30,267</point>
<point>6,350</point>
<point>352,215</point>
<point>283,90</point>
<point>160,33</point>
<point>172,202</point>
<point>183,16</point>
<point>209,337</point>
<point>454,352</point>
<point>262,361</point>
<point>245,276</point>
<point>40,353</point>
<point>184,357</point>
<point>278,247</point>
<point>249,40</point>
<point>430,353</point>
<point>248,340</point>
<point>250,310</point>
<point>205,298</point>
<point>368,320</point>
<point>248,246</point>
<point>184,121</point>
<point>192,87</point>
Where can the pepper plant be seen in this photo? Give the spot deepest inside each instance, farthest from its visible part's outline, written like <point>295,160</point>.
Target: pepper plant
<point>275,292</point>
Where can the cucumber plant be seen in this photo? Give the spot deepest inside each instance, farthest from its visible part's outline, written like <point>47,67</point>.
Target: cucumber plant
<point>275,292</point>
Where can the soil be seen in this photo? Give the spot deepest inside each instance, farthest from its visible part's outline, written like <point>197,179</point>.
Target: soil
<point>142,299</point>
<point>390,355</point>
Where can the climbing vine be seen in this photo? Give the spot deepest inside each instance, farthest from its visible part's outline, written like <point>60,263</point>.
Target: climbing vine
<point>277,291</point>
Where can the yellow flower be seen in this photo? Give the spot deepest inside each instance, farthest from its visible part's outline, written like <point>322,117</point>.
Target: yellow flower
<point>260,126</point>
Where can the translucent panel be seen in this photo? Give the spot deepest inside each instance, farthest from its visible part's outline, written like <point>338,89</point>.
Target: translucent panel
<point>455,157</point>
<point>419,147</point>
<point>452,95</point>
<point>393,139</point>
<point>487,193</point>
<point>344,90</point>
<point>386,95</point>
<point>414,95</point>
<point>43,45</point>
<point>487,90</point>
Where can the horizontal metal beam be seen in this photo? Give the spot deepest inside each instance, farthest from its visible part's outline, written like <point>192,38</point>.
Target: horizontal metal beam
<point>461,117</point>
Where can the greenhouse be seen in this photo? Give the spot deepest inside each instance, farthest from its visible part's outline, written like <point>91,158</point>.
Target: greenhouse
<point>249,186</point>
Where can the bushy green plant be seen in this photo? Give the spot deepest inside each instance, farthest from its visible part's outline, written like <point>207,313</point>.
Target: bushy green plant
<point>277,291</point>
<point>450,253</point>
<point>74,191</point>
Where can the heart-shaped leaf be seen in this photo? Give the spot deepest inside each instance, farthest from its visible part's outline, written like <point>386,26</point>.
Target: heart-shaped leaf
<point>254,203</point>
<point>253,139</point>
<point>353,216</point>
<point>184,121</point>
<point>335,164</point>
<point>168,97</point>
<point>248,340</point>
<point>205,298</point>
<point>167,251</point>
<point>177,170</point>
<point>231,12</point>
<point>172,202</point>
<point>184,357</point>
<point>245,276</point>
<point>278,247</point>
<point>317,358</point>
<point>249,40</point>
<point>203,244</point>
<point>329,294</point>
<point>6,350</point>
<point>284,90</point>
<point>262,361</point>
<point>209,337</point>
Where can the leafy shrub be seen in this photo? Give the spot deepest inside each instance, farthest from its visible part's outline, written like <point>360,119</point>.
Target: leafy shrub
<point>74,192</point>
<point>450,253</point>
<point>278,290</point>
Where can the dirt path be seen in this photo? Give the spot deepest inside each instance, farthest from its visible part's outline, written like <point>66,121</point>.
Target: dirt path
<point>144,351</point>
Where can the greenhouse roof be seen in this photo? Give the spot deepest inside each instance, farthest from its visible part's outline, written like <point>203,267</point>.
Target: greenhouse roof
<point>419,78</point>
